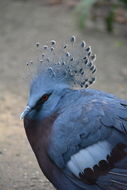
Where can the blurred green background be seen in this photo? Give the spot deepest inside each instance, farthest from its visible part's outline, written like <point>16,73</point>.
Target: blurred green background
<point>113,13</point>
<point>102,24</point>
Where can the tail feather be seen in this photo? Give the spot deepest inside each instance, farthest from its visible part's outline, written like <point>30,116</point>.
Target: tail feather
<point>116,179</point>
<point>119,185</point>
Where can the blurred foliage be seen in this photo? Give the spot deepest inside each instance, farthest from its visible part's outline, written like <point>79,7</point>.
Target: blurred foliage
<point>114,12</point>
<point>119,44</point>
<point>124,1</point>
<point>109,21</point>
<point>83,11</point>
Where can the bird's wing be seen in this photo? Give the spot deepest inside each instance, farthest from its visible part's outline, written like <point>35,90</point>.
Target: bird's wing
<point>89,140</point>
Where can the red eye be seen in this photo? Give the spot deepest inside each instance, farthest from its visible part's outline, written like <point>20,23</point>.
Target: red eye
<point>45,97</point>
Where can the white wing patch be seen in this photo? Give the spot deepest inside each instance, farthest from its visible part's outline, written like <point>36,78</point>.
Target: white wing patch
<point>88,157</point>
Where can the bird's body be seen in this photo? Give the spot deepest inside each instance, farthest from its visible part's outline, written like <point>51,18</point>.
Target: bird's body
<point>79,137</point>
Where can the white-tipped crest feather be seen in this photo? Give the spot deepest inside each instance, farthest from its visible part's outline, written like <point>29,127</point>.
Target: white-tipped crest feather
<point>70,64</point>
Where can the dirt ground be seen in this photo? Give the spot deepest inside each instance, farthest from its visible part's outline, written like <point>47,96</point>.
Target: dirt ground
<point>22,23</point>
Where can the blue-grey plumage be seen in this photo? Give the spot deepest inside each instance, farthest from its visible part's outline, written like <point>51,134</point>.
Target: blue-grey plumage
<point>79,136</point>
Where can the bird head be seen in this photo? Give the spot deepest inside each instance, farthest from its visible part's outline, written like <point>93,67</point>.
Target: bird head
<point>69,66</point>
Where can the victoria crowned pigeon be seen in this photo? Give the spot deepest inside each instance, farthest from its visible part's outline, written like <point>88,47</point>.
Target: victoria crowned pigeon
<point>78,135</point>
